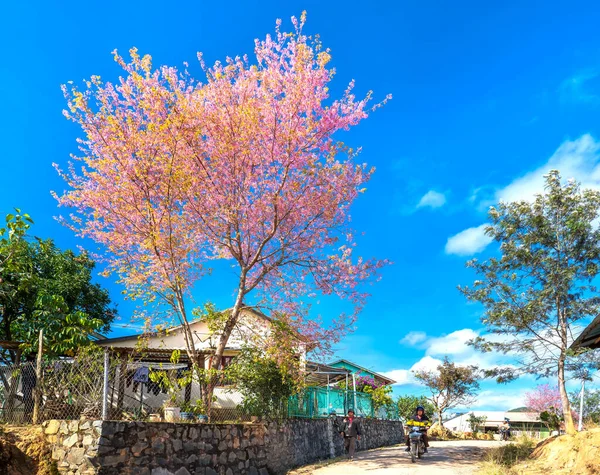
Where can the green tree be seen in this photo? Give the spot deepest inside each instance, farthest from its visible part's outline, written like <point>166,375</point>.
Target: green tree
<point>42,287</point>
<point>541,284</point>
<point>476,422</point>
<point>407,406</point>
<point>591,404</point>
<point>381,397</point>
<point>450,386</point>
<point>264,385</point>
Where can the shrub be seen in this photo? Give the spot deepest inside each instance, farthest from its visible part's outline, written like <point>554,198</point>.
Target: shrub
<point>501,459</point>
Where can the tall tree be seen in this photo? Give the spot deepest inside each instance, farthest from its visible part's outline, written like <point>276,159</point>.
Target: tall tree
<point>450,386</point>
<point>541,284</point>
<point>42,287</point>
<point>245,167</point>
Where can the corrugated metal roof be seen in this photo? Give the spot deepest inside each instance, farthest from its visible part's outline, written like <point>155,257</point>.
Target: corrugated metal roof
<point>590,336</point>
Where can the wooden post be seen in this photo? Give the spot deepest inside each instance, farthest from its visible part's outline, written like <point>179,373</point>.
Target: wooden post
<point>38,380</point>
<point>122,377</point>
<point>105,386</point>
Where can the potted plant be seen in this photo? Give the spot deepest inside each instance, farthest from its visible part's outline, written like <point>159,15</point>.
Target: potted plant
<point>174,385</point>
<point>198,411</point>
<point>172,409</point>
<point>187,411</point>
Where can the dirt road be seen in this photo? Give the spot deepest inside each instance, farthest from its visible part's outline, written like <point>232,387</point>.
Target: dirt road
<point>456,457</point>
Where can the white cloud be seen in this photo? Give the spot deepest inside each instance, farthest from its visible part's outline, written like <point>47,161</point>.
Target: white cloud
<point>432,199</point>
<point>412,338</point>
<point>406,376</point>
<point>469,241</point>
<point>454,345</point>
<point>401,376</point>
<point>427,363</point>
<point>577,159</point>
<point>500,400</point>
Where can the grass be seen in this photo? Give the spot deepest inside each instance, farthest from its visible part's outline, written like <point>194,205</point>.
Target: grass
<point>500,460</point>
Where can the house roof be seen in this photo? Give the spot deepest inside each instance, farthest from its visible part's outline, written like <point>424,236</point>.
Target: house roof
<point>153,355</point>
<point>495,417</point>
<point>589,337</point>
<point>109,341</point>
<point>377,375</point>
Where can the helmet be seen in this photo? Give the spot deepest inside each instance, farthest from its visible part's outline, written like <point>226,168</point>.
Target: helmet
<point>420,408</point>
<point>506,419</point>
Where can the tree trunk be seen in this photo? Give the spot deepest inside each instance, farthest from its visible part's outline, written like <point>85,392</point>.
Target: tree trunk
<point>215,361</point>
<point>566,405</point>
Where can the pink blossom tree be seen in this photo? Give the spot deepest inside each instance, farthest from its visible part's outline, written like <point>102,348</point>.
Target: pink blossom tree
<point>246,167</point>
<point>547,400</point>
<point>543,398</point>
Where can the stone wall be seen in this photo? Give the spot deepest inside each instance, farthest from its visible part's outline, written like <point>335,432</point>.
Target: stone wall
<point>140,448</point>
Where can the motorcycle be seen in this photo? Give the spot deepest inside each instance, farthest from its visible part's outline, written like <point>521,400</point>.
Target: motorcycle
<point>504,434</point>
<point>417,444</point>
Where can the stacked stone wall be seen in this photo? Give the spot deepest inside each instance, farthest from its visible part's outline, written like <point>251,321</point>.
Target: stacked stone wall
<point>144,448</point>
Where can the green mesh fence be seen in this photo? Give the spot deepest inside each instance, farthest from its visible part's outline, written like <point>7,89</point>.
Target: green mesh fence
<point>315,402</point>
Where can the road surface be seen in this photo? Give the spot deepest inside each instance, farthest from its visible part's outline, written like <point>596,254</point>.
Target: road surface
<point>459,457</point>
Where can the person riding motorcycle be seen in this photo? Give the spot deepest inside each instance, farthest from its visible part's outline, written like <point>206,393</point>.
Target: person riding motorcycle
<point>505,427</point>
<point>419,419</point>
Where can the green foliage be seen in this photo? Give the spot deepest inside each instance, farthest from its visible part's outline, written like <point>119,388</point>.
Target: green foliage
<point>407,406</point>
<point>591,404</point>
<point>380,396</point>
<point>552,418</point>
<point>198,407</point>
<point>265,387</point>
<point>214,319</point>
<point>476,422</point>
<point>42,287</point>
<point>172,381</point>
<point>450,386</point>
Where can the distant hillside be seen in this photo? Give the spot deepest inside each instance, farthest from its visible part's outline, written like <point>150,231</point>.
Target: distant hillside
<point>520,409</point>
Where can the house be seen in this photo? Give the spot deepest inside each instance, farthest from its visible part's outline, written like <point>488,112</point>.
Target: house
<point>521,422</point>
<point>589,337</point>
<point>252,328</point>
<point>358,371</point>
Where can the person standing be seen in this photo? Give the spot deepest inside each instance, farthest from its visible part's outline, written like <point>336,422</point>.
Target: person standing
<point>351,433</point>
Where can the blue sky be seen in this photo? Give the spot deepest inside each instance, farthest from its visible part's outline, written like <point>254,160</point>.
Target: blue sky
<point>486,99</point>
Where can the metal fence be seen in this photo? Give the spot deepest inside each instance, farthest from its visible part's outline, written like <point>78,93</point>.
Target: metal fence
<point>96,385</point>
<point>69,388</point>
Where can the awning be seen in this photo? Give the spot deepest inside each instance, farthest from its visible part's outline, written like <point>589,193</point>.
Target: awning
<point>319,374</point>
